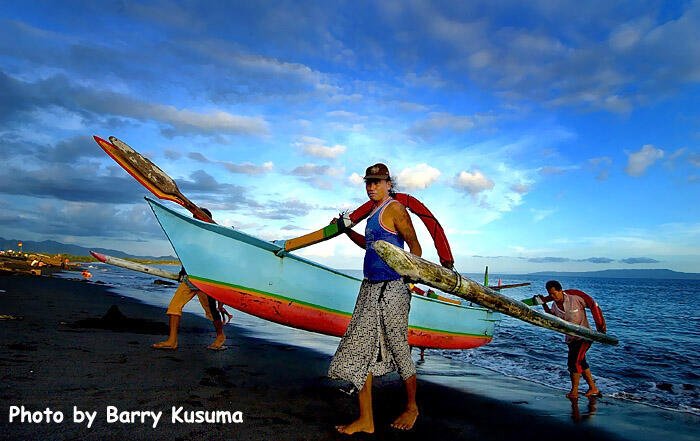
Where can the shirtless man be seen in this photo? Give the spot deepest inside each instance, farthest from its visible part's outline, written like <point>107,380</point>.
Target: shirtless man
<point>375,342</point>
<point>570,305</point>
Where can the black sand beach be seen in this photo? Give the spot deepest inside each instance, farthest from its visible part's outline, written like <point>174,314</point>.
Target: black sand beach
<point>55,353</point>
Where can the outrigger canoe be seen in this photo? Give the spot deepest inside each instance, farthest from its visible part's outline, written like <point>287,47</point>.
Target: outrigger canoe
<point>245,272</point>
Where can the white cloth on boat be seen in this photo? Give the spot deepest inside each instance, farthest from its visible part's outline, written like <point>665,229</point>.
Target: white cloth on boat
<point>376,338</point>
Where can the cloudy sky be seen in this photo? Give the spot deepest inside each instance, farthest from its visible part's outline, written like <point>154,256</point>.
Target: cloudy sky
<point>544,135</point>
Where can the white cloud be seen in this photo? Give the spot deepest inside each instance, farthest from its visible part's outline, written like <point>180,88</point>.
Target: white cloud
<point>628,35</point>
<point>308,170</point>
<point>473,183</point>
<point>344,114</point>
<point>184,120</point>
<point>603,160</point>
<point>355,179</point>
<point>538,215</point>
<point>480,59</point>
<point>441,121</point>
<point>245,168</point>
<point>603,175</point>
<point>520,188</point>
<point>248,168</point>
<point>694,159</point>
<point>316,147</point>
<point>550,170</point>
<point>419,177</point>
<point>643,159</point>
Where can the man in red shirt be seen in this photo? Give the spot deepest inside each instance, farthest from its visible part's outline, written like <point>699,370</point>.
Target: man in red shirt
<point>570,305</point>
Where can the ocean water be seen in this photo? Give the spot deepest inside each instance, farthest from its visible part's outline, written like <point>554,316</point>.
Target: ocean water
<point>657,322</point>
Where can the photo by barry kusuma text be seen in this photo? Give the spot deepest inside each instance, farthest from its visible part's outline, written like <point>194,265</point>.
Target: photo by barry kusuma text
<point>114,415</point>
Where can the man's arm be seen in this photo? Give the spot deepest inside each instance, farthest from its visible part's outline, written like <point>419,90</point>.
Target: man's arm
<point>593,306</point>
<point>544,303</point>
<point>404,226</point>
<point>357,238</point>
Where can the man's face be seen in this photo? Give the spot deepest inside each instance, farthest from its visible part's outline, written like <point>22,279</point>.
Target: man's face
<point>377,189</point>
<point>556,294</point>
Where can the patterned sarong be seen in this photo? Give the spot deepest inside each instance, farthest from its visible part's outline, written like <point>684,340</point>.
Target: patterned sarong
<point>375,341</point>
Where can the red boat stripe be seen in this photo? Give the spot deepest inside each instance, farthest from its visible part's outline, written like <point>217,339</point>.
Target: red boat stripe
<point>319,319</point>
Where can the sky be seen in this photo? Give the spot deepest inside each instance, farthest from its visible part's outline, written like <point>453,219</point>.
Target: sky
<point>545,136</point>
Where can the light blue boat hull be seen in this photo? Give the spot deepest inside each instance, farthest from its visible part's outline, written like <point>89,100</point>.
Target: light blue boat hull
<point>244,272</point>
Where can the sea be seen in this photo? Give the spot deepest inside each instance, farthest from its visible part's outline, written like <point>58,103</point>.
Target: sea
<point>657,362</point>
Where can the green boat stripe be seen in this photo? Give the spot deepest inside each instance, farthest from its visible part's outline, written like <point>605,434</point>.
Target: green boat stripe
<point>312,305</point>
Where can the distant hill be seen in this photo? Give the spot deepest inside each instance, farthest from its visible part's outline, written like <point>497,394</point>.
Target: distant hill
<point>53,247</point>
<point>624,274</point>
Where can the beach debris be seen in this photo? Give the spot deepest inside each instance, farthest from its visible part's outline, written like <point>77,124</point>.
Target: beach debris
<point>11,317</point>
<point>33,264</point>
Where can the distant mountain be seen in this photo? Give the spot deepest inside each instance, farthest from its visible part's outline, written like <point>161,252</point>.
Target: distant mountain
<point>53,247</point>
<point>624,274</point>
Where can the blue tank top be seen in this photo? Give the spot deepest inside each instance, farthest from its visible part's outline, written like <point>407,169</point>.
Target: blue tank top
<point>374,267</point>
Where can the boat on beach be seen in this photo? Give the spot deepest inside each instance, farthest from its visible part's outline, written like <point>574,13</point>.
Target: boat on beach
<point>247,273</point>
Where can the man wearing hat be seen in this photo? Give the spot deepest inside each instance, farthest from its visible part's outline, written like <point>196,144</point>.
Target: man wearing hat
<point>375,342</point>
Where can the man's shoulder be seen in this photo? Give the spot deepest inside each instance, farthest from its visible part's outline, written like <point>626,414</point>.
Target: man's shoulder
<point>580,296</point>
<point>395,207</point>
<point>575,292</point>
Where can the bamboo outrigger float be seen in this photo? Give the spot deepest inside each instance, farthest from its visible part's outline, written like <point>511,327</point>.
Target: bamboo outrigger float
<point>420,270</point>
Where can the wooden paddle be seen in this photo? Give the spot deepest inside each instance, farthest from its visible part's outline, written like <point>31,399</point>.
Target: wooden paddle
<point>164,187</point>
<point>328,232</point>
<point>149,175</point>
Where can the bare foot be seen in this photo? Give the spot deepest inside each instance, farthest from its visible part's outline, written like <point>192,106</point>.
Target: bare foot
<point>573,395</point>
<point>167,344</point>
<point>218,343</point>
<point>406,420</point>
<point>356,426</point>
<point>592,393</point>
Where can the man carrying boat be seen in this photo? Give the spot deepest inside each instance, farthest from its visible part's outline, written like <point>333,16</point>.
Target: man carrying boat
<point>570,305</point>
<point>184,293</point>
<point>375,342</point>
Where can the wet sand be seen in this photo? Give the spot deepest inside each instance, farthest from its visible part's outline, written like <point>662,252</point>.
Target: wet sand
<point>55,352</point>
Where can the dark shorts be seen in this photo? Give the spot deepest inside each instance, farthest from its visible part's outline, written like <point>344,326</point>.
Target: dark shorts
<point>577,356</point>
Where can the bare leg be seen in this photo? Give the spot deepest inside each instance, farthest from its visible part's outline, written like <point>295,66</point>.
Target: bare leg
<point>171,342</point>
<point>365,423</point>
<point>407,419</point>
<point>220,337</point>
<point>592,389</point>
<point>575,377</point>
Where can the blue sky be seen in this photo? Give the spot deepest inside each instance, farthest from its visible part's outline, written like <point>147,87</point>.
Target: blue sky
<point>544,136</point>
